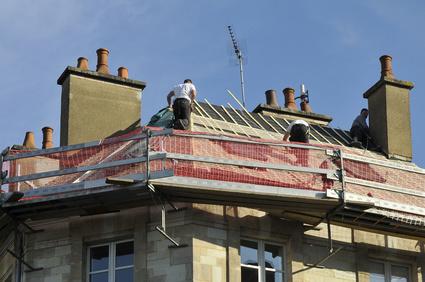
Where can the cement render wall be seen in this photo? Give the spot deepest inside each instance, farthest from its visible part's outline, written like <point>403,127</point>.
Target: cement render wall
<point>212,235</point>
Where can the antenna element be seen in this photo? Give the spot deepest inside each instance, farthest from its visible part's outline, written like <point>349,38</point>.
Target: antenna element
<point>239,56</point>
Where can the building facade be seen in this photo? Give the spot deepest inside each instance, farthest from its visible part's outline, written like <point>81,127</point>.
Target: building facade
<point>227,201</point>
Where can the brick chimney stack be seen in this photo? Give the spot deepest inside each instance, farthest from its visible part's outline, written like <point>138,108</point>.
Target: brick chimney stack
<point>389,113</point>
<point>289,94</point>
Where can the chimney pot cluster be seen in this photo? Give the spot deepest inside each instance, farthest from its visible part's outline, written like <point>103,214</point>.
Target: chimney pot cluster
<point>29,140</point>
<point>102,63</point>
<point>289,93</point>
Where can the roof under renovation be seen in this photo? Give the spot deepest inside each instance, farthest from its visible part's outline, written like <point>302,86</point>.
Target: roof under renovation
<point>229,157</point>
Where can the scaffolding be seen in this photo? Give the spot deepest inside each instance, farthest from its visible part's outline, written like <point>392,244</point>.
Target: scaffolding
<point>309,183</point>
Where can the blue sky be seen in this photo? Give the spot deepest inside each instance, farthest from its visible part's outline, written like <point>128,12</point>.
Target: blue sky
<point>331,46</point>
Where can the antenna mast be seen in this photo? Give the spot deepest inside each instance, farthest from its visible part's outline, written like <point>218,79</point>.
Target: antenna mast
<point>239,56</point>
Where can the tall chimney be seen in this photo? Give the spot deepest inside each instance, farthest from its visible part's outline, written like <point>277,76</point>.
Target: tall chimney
<point>102,60</point>
<point>47,137</point>
<point>271,99</point>
<point>123,72</point>
<point>96,104</point>
<point>389,113</point>
<point>29,140</point>
<point>289,94</point>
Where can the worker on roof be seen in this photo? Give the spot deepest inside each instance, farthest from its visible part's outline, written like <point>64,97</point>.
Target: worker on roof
<point>184,94</point>
<point>297,131</point>
<point>360,130</point>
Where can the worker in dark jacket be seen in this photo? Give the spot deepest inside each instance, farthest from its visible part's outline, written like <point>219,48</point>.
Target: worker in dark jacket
<point>360,130</point>
<point>184,94</point>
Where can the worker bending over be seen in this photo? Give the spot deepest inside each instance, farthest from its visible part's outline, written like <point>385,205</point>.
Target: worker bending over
<point>360,130</point>
<point>184,94</point>
<point>297,131</point>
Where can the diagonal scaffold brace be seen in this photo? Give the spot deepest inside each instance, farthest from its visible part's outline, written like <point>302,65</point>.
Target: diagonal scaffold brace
<point>157,195</point>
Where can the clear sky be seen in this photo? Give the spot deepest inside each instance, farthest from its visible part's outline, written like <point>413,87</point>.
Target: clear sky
<point>331,46</point>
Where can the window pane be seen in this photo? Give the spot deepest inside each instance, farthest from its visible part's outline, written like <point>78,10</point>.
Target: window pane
<point>249,252</point>
<point>249,274</point>
<point>124,275</point>
<point>124,254</point>
<point>399,273</point>
<point>273,256</point>
<point>377,272</point>
<point>273,276</point>
<point>99,258</point>
<point>99,277</point>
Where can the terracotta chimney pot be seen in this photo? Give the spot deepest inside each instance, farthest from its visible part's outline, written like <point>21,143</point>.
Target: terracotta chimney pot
<point>29,140</point>
<point>386,66</point>
<point>305,107</point>
<point>123,72</point>
<point>83,63</point>
<point>47,137</point>
<point>271,99</point>
<point>102,60</point>
<point>289,94</point>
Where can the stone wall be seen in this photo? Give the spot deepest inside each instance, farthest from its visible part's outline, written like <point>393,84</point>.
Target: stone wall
<point>212,235</point>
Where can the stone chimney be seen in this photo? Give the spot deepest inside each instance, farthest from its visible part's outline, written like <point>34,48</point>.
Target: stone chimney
<point>290,111</point>
<point>96,104</point>
<point>389,113</point>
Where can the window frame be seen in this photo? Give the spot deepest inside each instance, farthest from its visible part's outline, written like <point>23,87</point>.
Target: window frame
<point>111,259</point>
<point>261,267</point>
<point>387,269</point>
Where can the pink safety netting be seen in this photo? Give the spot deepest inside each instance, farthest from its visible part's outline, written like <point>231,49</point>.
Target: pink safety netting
<point>213,157</point>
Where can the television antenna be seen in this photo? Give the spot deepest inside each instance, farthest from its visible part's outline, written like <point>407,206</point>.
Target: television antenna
<point>240,58</point>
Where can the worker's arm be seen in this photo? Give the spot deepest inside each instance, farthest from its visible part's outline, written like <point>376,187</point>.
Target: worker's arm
<point>169,96</point>
<point>193,94</point>
<point>286,136</point>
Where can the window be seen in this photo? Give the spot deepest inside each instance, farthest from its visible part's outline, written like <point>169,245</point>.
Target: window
<point>388,272</point>
<point>113,262</point>
<point>261,262</point>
